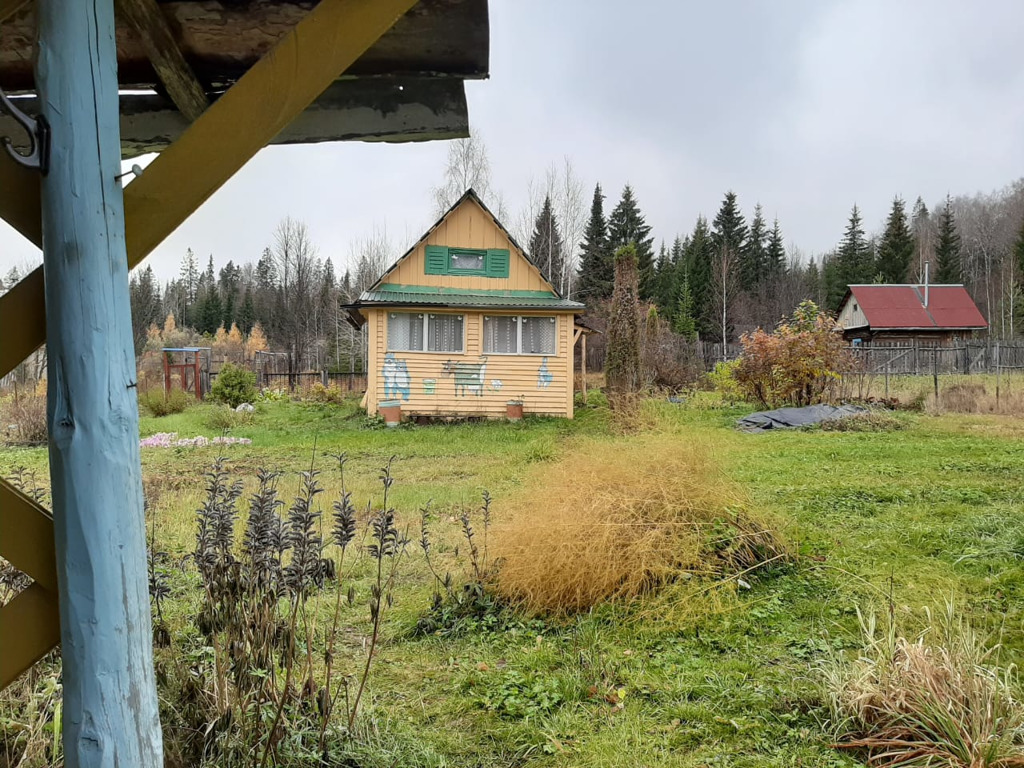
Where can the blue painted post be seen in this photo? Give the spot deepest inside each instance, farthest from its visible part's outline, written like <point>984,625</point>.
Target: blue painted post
<point>110,704</point>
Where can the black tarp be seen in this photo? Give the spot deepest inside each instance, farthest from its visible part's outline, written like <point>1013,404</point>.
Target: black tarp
<point>784,418</point>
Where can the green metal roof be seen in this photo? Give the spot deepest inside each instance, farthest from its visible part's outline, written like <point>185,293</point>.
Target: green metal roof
<point>392,294</point>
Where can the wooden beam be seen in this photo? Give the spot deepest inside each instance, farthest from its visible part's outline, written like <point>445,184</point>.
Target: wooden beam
<point>359,109</point>
<point>10,7</point>
<point>265,100</point>
<point>164,54</point>
<point>19,190</point>
<point>23,320</point>
<point>111,711</point>
<point>221,40</point>
<point>26,537</point>
<point>270,95</point>
<point>29,629</point>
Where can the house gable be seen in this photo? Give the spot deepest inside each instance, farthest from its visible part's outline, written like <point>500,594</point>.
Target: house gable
<point>467,249</point>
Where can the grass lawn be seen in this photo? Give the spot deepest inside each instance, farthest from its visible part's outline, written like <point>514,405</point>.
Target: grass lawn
<point>915,517</point>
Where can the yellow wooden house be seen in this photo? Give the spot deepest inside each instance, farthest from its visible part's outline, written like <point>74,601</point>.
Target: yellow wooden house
<point>464,323</point>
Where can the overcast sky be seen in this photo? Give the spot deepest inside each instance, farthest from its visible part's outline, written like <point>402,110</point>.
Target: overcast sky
<point>806,106</point>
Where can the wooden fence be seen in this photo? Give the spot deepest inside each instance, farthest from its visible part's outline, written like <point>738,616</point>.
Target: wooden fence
<point>918,358</point>
<point>923,359</point>
<point>303,382</point>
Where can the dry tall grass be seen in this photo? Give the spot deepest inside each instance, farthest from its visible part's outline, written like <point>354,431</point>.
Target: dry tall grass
<point>938,700</point>
<point>612,522</point>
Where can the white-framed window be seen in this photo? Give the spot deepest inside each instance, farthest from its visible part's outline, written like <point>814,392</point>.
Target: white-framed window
<point>419,331</point>
<point>520,335</point>
<point>466,261</point>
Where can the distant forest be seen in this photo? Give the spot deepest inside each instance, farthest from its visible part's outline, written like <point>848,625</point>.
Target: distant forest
<point>731,273</point>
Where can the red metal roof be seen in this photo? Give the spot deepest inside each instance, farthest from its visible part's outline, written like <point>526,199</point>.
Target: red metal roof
<point>902,306</point>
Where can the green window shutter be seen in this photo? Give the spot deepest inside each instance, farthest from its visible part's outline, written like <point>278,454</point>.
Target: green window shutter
<point>497,262</point>
<point>436,260</point>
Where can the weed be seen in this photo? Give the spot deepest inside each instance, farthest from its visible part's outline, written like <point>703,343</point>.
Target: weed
<point>24,419</point>
<point>869,421</point>
<point>939,699</point>
<point>224,418</point>
<point>617,521</point>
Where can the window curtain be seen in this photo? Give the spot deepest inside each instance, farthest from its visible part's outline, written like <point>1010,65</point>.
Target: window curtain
<point>539,335</point>
<point>444,333</point>
<point>501,335</point>
<point>405,331</point>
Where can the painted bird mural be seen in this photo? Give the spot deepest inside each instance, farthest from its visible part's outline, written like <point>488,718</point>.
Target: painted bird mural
<point>544,376</point>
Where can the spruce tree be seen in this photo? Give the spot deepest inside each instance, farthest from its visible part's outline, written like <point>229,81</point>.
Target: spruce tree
<point>627,225</point>
<point>853,261</point>
<point>754,254</point>
<point>699,258</point>
<point>832,282</point>
<point>776,251</point>
<point>1018,251</point>
<point>247,315</point>
<point>665,283</point>
<point>949,267</point>
<point>683,321</point>
<point>922,227</point>
<point>812,279</point>
<point>896,251</point>
<point>728,228</point>
<point>596,271</point>
<point>210,311</point>
<point>546,248</point>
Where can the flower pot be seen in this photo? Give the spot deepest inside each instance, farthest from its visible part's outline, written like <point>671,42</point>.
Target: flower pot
<point>391,411</point>
<point>514,410</point>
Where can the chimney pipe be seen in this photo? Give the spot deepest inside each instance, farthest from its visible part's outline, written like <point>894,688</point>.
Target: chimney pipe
<point>926,266</point>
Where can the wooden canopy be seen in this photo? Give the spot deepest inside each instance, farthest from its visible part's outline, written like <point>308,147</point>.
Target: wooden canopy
<point>208,84</point>
<point>177,57</point>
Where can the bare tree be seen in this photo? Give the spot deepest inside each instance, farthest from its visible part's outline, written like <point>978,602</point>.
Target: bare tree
<point>295,256</point>
<point>370,256</point>
<point>565,189</point>
<point>467,166</point>
<point>725,288</point>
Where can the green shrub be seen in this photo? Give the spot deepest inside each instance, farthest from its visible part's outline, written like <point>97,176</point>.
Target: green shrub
<point>723,381</point>
<point>157,403</point>
<point>234,386</point>
<point>222,418</point>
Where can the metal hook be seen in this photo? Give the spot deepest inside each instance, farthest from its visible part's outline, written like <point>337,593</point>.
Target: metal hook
<point>39,137</point>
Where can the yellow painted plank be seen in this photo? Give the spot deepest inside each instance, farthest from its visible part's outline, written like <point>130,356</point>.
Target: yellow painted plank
<point>19,198</point>
<point>224,138</point>
<point>469,226</point>
<point>26,536</point>
<point>22,321</point>
<point>29,629</point>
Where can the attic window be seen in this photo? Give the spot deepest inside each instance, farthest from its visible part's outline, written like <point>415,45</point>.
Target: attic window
<point>467,261</point>
<point>442,260</point>
<point>855,306</point>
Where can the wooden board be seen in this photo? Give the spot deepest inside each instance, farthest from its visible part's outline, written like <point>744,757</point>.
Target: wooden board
<point>220,41</point>
<point>380,109</point>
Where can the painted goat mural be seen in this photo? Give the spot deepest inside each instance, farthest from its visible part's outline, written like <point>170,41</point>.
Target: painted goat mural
<point>396,377</point>
<point>469,377</point>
